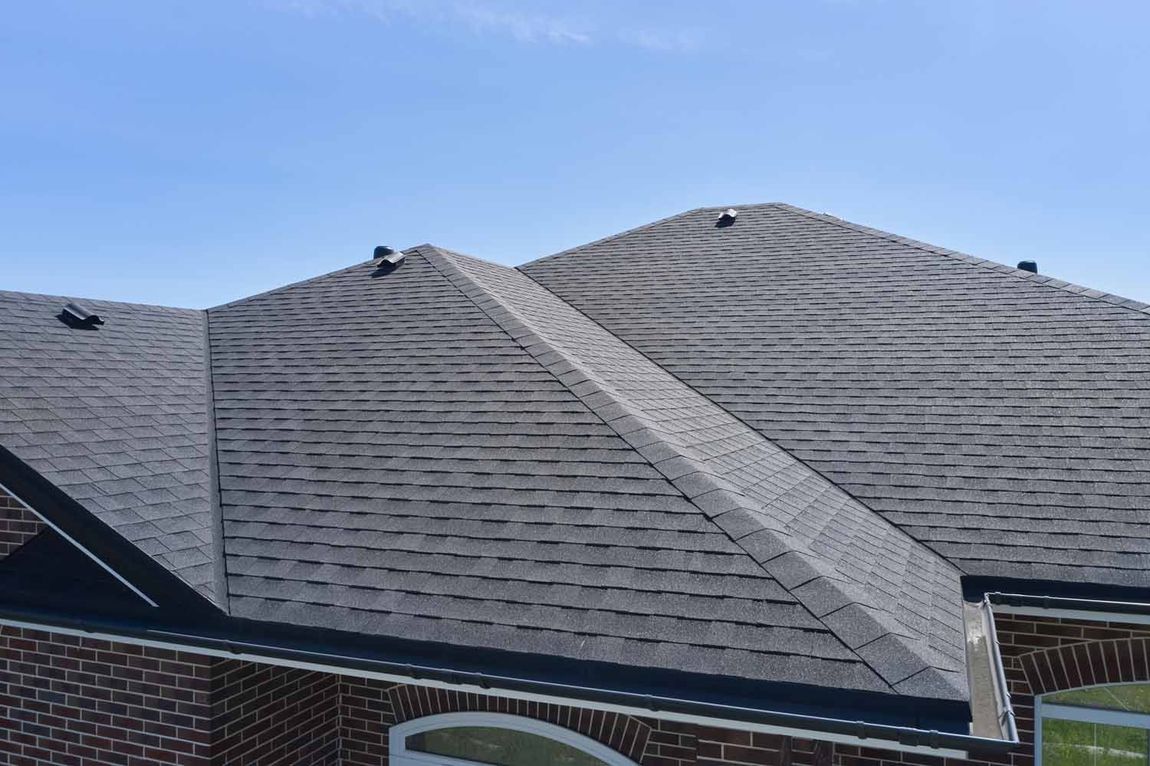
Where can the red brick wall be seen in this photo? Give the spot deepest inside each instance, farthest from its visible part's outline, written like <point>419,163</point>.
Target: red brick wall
<point>365,716</point>
<point>263,714</point>
<point>68,700</point>
<point>17,524</point>
<point>82,701</point>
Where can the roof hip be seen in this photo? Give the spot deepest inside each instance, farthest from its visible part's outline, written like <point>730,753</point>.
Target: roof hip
<point>898,607</point>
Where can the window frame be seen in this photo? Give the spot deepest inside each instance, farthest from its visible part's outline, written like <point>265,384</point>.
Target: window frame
<point>399,755</point>
<point>1043,710</point>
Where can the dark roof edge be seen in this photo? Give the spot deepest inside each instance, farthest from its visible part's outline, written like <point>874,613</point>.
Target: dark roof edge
<point>974,588</point>
<point>137,569</point>
<point>537,345</point>
<point>1042,279</point>
<point>892,721</point>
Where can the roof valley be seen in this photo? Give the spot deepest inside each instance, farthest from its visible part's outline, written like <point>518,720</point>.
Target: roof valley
<point>219,554</point>
<point>728,487</point>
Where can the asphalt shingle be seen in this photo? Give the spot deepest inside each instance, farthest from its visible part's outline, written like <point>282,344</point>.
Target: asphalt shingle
<point>117,417</point>
<point>995,415</point>
<point>411,457</point>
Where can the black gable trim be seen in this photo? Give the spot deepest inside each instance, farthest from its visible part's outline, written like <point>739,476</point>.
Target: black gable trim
<point>160,585</point>
<point>975,588</point>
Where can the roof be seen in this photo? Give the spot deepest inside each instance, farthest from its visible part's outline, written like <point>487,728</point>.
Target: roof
<point>995,415</point>
<point>767,451</point>
<point>404,457</point>
<point>116,417</point>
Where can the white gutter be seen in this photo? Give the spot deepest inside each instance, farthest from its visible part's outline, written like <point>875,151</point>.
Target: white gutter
<point>252,653</point>
<point>1006,717</point>
<point>1073,609</point>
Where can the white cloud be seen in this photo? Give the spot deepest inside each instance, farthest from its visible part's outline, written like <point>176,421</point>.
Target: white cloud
<point>488,17</point>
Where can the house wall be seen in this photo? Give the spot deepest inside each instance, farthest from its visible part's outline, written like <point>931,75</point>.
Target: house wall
<point>67,700</point>
<point>264,714</point>
<point>18,525</point>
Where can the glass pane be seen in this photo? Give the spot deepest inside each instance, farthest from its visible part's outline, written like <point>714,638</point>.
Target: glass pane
<point>1076,743</point>
<point>1067,743</point>
<point>1132,697</point>
<point>501,747</point>
<point>1120,746</point>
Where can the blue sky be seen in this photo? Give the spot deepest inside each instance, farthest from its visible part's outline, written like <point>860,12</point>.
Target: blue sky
<point>189,153</point>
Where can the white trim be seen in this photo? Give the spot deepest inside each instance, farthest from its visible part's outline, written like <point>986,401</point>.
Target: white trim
<point>1097,715</point>
<point>399,755</point>
<point>1086,615</point>
<point>77,545</point>
<point>663,715</point>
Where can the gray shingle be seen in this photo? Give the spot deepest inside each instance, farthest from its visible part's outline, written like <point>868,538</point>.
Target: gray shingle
<point>679,467</point>
<point>411,453</point>
<point>132,394</point>
<point>996,416</point>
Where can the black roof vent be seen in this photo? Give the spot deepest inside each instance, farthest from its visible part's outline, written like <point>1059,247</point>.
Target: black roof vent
<point>388,256</point>
<point>727,217</point>
<point>1030,266</point>
<point>75,315</point>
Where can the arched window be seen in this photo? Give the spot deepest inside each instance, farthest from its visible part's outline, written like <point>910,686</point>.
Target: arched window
<point>1094,726</point>
<point>494,739</point>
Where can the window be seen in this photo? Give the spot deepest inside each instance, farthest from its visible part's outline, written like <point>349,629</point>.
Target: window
<point>494,739</point>
<point>1095,726</point>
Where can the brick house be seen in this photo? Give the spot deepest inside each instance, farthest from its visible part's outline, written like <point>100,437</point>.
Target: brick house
<point>756,486</point>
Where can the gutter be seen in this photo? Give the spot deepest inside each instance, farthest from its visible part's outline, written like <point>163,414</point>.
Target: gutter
<point>858,733</point>
<point>1006,718</point>
<point>1092,610</point>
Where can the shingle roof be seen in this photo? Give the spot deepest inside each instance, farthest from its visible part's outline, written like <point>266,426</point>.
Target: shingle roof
<point>995,415</point>
<point>116,417</point>
<point>404,457</point>
<point>756,451</point>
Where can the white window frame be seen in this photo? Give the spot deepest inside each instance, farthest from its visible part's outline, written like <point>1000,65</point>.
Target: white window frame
<point>1043,710</point>
<point>399,755</point>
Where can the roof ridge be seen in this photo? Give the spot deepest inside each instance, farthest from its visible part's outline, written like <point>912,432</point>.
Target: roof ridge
<point>973,260</point>
<point>132,304</point>
<point>288,286</point>
<point>644,227</point>
<point>610,237</point>
<point>843,607</point>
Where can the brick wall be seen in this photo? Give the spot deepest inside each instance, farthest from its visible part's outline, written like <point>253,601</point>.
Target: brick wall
<point>80,701</point>
<point>84,702</point>
<point>18,525</point>
<point>263,714</point>
<point>69,700</point>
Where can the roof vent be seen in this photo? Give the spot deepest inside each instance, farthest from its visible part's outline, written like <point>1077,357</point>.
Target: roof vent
<point>75,315</point>
<point>1030,266</point>
<point>388,256</point>
<point>727,217</point>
